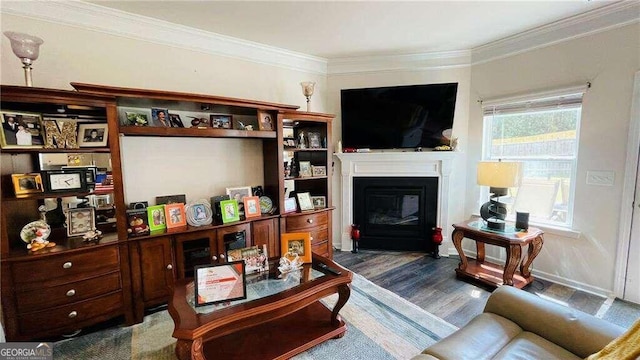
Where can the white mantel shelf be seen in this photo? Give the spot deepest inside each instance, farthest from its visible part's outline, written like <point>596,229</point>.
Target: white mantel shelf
<point>395,164</point>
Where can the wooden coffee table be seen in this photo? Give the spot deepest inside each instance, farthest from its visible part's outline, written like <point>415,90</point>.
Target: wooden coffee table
<point>277,323</point>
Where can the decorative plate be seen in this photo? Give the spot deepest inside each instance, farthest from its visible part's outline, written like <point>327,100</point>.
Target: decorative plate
<point>35,229</point>
<point>265,204</point>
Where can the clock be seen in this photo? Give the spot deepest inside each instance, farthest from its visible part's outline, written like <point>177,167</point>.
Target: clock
<point>65,180</point>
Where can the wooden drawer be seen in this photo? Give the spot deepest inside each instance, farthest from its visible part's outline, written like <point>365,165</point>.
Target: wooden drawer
<point>321,248</point>
<point>305,222</point>
<point>70,316</point>
<point>318,235</point>
<point>43,298</point>
<point>63,268</point>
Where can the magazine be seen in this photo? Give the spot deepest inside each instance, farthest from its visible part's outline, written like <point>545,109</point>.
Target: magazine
<point>255,258</point>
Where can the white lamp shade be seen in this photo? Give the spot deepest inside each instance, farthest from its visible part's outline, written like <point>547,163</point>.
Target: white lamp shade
<point>502,174</point>
<point>24,46</point>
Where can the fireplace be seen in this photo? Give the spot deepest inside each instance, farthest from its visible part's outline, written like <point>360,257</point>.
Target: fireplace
<point>395,213</point>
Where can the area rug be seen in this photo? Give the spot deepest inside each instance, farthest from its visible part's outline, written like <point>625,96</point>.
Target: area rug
<point>380,326</point>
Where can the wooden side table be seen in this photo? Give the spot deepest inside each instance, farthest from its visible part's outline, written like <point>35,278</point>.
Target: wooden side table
<point>513,241</point>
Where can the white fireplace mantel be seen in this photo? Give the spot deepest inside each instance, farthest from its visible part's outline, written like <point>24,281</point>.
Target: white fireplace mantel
<point>395,164</point>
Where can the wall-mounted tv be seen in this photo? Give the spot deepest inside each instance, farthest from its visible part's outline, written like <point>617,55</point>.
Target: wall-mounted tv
<point>397,117</point>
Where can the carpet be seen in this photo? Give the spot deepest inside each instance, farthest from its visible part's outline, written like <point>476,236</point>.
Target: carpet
<point>380,326</point>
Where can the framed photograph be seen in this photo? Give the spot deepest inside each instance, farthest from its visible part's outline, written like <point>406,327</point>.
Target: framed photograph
<point>27,183</point>
<point>304,201</point>
<point>292,244</point>
<point>256,259</point>
<point>265,121</point>
<point>319,202</point>
<point>290,205</point>
<point>136,119</point>
<point>221,121</point>
<point>157,220</point>
<point>176,121</point>
<point>81,220</point>
<point>229,210</point>
<point>101,201</point>
<point>315,142</point>
<point>219,283</point>
<point>21,130</point>
<point>239,193</point>
<point>64,180</point>
<point>160,117</point>
<point>199,213</point>
<point>137,222</point>
<point>287,133</point>
<point>175,215</point>
<point>171,199</point>
<point>93,135</point>
<point>305,169</point>
<point>251,206</point>
<point>318,170</point>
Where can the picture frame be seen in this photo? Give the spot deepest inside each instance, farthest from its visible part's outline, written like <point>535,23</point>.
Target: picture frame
<point>156,217</point>
<point>319,202</point>
<point>68,180</point>
<point>175,121</point>
<point>292,244</point>
<point>102,202</point>
<point>304,169</point>
<point>13,137</point>
<point>24,184</point>
<point>265,121</point>
<point>229,210</point>
<point>160,117</point>
<point>137,222</point>
<point>251,207</point>
<point>171,199</point>
<point>136,118</point>
<point>175,215</point>
<point>304,201</point>
<point>290,205</point>
<point>318,170</point>
<point>315,141</point>
<point>199,213</point>
<point>80,221</point>
<point>288,133</point>
<point>256,258</point>
<point>218,283</point>
<point>221,121</point>
<point>93,135</point>
<point>238,193</point>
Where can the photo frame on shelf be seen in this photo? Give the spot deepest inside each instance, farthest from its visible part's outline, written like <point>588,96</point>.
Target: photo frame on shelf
<point>304,201</point>
<point>133,118</point>
<point>229,211</point>
<point>319,202</point>
<point>292,244</point>
<point>304,169</point>
<point>199,213</point>
<point>93,135</point>
<point>265,121</point>
<point>219,283</point>
<point>157,220</point>
<point>160,117</point>
<point>251,206</point>
<point>137,222</point>
<point>176,121</point>
<point>21,130</point>
<point>287,133</point>
<point>290,205</point>
<point>80,220</point>
<point>171,199</point>
<point>175,215</point>
<point>315,140</point>
<point>221,121</point>
<point>255,258</point>
<point>56,181</point>
<point>239,193</point>
<point>318,170</point>
<point>24,184</point>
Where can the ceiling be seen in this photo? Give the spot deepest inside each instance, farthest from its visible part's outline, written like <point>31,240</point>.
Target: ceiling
<point>339,29</point>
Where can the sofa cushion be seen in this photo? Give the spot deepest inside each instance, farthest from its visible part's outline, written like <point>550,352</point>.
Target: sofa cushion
<point>482,338</point>
<point>526,346</point>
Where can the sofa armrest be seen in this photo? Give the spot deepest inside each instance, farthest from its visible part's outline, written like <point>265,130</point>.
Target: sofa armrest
<point>578,332</point>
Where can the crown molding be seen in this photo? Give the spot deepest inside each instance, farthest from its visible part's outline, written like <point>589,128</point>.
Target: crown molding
<point>608,17</point>
<point>120,23</point>
<point>407,62</point>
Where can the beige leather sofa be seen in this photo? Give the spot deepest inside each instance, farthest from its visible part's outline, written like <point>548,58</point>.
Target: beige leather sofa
<point>518,325</point>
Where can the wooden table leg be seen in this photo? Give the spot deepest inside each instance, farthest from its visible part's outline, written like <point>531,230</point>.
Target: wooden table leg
<point>534,249</point>
<point>189,350</point>
<point>479,251</point>
<point>457,237</point>
<point>344,291</point>
<point>514,252</point>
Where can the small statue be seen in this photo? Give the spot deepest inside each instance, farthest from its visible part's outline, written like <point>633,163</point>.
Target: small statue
<point>289,262</point>
<point>302,141</point>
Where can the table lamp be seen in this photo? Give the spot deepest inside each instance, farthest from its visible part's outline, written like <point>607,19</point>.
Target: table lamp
<point>307,91</point>
<point>499,176</point>
<point>27,48</point>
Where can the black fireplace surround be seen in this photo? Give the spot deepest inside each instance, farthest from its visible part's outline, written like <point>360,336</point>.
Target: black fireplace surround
<point>395,213</point>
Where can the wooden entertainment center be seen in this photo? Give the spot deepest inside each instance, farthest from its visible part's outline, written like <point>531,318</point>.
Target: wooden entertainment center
<point>62,289</point>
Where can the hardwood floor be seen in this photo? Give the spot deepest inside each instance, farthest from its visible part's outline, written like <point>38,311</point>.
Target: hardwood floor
<point>432,284</point>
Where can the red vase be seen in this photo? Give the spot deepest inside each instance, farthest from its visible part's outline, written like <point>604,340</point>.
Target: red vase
<point>437,236</point>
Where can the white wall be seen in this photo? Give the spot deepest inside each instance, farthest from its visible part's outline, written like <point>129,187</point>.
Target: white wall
<point>196,167</point>
<point>608,60</point>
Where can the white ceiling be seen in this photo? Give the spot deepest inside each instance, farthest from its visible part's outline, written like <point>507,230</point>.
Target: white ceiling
<point>338,29</point>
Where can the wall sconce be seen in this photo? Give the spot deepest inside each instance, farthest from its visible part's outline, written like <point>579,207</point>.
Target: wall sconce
<point>307,91</point>
<point>499,176</point>
<point>26,48</point>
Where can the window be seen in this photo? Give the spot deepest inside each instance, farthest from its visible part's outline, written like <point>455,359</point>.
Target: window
<point>542,133</point>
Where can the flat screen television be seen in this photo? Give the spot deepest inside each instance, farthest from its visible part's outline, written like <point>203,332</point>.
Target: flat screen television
<point>397,117</point>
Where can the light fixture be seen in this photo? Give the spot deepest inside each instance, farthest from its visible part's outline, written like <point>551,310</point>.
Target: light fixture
<point>26,47</point>
<point>499,176</point>
<point>307,91</point>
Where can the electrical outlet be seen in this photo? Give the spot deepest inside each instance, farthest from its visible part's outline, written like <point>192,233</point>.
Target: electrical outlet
<point>602,178</point>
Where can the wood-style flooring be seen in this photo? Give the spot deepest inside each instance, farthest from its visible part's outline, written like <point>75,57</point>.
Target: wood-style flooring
<point>432,284</point>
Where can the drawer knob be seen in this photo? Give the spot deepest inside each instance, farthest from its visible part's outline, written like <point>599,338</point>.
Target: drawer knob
<point>310,221</point>
<point>214,258</point>
<point>222,256</point>
<point>67,265</point>
<point>73,314</point>
<point>169,267</point>
<point>71,292</point>
<point>311,238</point>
